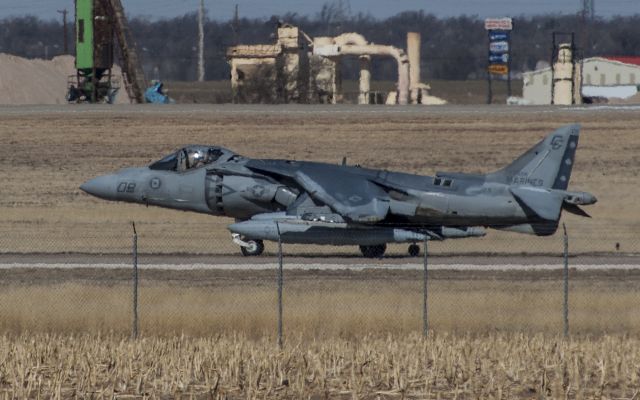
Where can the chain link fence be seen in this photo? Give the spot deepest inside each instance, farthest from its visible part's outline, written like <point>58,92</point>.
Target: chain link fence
<point>190,281</point>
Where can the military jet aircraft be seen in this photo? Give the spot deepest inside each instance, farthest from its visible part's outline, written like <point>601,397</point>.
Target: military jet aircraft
<point>339,204</point>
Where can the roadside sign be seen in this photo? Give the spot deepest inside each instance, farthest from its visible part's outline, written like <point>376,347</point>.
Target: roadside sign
<point>495,58</point>
<point>496,36</point>
<point>501,24</point>
<point>498,69</point>
<point>499,54</point>
<point>499,47</point>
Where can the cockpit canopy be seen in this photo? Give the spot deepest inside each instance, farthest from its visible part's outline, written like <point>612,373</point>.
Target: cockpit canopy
<point>191,157</point>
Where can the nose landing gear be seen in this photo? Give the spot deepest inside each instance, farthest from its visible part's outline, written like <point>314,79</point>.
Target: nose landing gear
<point>254,248</point>
<point>248,248</point>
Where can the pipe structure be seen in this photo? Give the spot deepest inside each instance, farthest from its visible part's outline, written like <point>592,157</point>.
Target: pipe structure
<point>382,50</point>
<point>352,38</point>
<point>365,79</point>
<point>356,45</point>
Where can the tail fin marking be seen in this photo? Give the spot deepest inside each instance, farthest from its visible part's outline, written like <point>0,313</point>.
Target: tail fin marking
<point>548,164</point>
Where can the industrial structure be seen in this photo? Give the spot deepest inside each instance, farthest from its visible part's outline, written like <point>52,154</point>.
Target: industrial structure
<point>601,78</point>
<point>298,68</point>
<point>98,24</point>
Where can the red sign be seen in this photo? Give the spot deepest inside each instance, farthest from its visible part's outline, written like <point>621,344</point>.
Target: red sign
<point>498,24</point>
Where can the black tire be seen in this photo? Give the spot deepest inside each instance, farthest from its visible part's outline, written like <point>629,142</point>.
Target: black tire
<point>375,251</point>
<point>414,250</point>
<point>255,249</point>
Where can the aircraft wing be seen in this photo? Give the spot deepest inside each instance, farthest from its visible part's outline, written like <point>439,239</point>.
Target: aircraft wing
<point>351,195</point>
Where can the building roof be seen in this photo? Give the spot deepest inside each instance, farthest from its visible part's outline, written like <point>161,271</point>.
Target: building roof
<point>635,60</point>
<point>629,60</point>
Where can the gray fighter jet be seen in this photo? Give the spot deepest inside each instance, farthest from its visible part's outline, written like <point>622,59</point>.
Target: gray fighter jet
<point>333,204</point>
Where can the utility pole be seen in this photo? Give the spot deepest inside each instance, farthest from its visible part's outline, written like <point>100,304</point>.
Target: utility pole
<point>587,15</point>
<point>64,30</point>
<point>236,26</point>
<point>201,42</point>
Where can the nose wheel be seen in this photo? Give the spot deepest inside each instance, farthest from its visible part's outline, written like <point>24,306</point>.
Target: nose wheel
<point>249,247</point>
<point>376,251</point>
<point>414,250</point>
<point>253,248</point>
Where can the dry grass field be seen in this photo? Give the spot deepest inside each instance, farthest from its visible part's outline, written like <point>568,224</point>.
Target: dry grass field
<point>318,304</point>
<point>47,153</point>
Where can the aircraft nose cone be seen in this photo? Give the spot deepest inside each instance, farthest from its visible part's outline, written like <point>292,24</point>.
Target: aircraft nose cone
<point>102,186</point>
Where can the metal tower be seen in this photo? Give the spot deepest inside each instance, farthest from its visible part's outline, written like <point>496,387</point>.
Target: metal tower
<point>588,9</point>
<point>586,17</point>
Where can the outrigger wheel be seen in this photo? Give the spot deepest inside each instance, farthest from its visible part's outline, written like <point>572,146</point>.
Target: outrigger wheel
<point>414,250</point>
<point>375,251</point>
<point>254,248</point>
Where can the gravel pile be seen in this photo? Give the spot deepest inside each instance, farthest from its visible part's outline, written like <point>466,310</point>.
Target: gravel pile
<point>37,81</point>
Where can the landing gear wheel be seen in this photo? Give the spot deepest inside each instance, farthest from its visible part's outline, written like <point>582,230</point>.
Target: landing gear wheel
<point>414,250</point>
<point>255,248</point>
<point>376,251</point>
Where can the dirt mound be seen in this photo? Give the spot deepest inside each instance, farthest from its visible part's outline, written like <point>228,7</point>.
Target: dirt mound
<point>37,81</point>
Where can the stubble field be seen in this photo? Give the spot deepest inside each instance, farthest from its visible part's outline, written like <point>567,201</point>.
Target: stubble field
<point>443,366</point>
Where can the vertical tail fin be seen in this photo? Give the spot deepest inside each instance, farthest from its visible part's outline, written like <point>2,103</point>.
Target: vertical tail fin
<point>548,164</point>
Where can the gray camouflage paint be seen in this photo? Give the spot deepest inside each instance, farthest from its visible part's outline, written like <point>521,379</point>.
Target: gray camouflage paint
<point>341,204</point>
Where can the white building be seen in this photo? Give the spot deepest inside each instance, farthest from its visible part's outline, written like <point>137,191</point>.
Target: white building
<point>601,77</point>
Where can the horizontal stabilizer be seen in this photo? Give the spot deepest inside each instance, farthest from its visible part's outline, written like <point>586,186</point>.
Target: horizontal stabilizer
<point>543,203</point>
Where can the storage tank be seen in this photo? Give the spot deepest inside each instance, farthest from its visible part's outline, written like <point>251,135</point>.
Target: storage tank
<point>564,76</point>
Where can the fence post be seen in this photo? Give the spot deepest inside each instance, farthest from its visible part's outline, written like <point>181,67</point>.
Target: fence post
<point>425,316</point>
<point>565,309</point>
<point>280,283</point>
<point>135,282</point>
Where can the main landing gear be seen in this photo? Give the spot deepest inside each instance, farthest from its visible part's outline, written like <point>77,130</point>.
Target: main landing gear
<point>250,247</point>
<point>375,251</point>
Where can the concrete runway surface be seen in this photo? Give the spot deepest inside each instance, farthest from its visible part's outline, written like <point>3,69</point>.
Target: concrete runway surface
<point>307,263</point>
<point>343,109</point>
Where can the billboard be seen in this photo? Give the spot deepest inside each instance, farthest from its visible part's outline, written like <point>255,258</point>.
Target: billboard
<point>498,69</point>
<point>497,58</point>
<point>495,36</point>
<point>499,32</point>
<point>499,47</point>
<point>498,24</point>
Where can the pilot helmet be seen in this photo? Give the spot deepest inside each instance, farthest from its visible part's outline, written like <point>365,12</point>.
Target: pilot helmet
<point>196,157</point>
